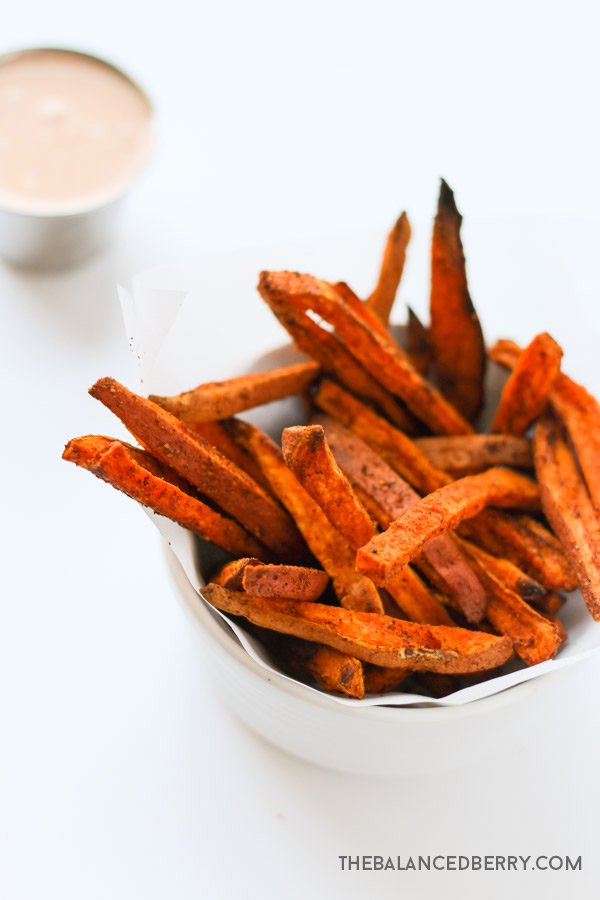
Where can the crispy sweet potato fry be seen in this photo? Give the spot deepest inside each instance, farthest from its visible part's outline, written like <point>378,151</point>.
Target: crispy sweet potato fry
<point>418,347</point>
<point>506,572</point>
<point>527,390</point>
<point>331,669</point>
<point>394,256</point>
<point>286,582</point>
<point>134,472</point>
<point>440,512</point>
<point>214,433</point>
<point>222,399</point>
<point>332,356</point>
<point>549,604</point>
<point>202,465</point>
<point>455,332</point>
<point>371,637</point>
<point>569,508</point>
<point>579,411</point>
<point>469,454</point>
<point>534,637</point>
<point>231,575</point>
<point>442,562</point>
<point>378,680</point>
<point>384,359</point>
<point>307,454</point>
<point>331,549</point>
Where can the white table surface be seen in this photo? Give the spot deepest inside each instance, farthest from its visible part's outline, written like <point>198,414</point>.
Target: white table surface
<point>120,774</point>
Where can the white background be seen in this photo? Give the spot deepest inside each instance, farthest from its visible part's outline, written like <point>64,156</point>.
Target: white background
<point>121,776</point>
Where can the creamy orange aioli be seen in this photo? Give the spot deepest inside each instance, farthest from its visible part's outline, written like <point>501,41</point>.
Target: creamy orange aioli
<point>73,132</point>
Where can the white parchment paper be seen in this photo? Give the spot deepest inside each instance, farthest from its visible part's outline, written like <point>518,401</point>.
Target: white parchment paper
<point>204,321</point>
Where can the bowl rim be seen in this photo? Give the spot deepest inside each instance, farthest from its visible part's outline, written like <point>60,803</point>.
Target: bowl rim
<point>225,642</point>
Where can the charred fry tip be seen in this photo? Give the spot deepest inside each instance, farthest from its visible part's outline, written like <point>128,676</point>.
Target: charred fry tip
<point>446,201</point>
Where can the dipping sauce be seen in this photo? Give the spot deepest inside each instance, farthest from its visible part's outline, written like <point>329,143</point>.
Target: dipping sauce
<point>74,132</point>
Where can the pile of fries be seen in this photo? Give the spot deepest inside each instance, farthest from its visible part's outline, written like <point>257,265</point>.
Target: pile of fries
<point>385,542</point>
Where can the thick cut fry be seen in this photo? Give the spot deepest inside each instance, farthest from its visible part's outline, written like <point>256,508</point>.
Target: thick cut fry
<point>469,454</point>
<point>418,347</point>
<point>568,508</point>
<point>534,637</point>
<point>440,512</point>
<point>527,390</point>
<point>380,355</point>
<point>371,637</point>
<point>441,560</point>
<point>221,399</point>
<point>331,549</point>
<point>394,256</point>
<point>506,572</point>
<point>579,411</point>
<point>331,669</point>
<point>214,433</point>
<point>307,454</point>
<point>134,472</point>
<point>455,332</point>
<point>378,680</point>
<point>325,348</point>
<point>202,465</point>
<point>391,444</point>
<point>286,582</point>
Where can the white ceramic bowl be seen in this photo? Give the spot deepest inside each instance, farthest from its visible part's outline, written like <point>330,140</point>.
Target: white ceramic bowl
<point>384,741</point>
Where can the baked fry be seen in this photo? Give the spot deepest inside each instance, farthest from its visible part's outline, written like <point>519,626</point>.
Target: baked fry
<point>527,390</point>
<point>455,332</point>
<point>441,560</point>
<point>549,604</point>
<point>378,680</point>
<point>371,637</point>
<point>440,512</point>
<point>203,466</point>
<point>134,472</point>
<point>468,454</point>
<point>222,399</point>
<point>284,582</point>
<point>384,359</point>
<point>354,591</point>
<point>214,433</point>
<point>506,572</point>
<point>418,347</point>
<point>579,412</point>
<point>569,508</point>
<point>392,265</point>
<point>331,669</point>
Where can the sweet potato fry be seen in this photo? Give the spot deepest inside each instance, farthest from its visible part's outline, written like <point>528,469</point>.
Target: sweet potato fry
<point>386,362</point>
<point>506,572</point>
<point>202,465</point>
<point>440,512</point>
<point>371,637</point>
<point>549,604</point>
<point>455,332</point>
<point>222,399</point>
<point>394,256</point>
<point>287,582</point>
<point>441,560</point>
<point>331,549</point>
<point>331,669</point>
<point>418,347</point>
<point>469,454</point>
<point>134,472</point>
<point>325,348</point>
<point>579,412</point>
<point>534,637</point>
<point>214,433</point>
<point>569,508</point>
<point>378,680</point>
<point>527,390</point>
<point>231,575</point>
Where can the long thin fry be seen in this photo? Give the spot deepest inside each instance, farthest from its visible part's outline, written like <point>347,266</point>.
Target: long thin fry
<point>392,265</point>
<point>418,347</point>
<point>372,637</point>
<point>506,572</point>
<point>216,434</point>
<point>386,362</point>
<point>468,454</point>
<point>526,392</point>
<point>221,399</point>
<point>326,543</point>
<point>441,560</point>
<point>455,332</point>
<point>440,512</point>
<point>568,508</point>
<point>202,465</point>
<point>134,472</point>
